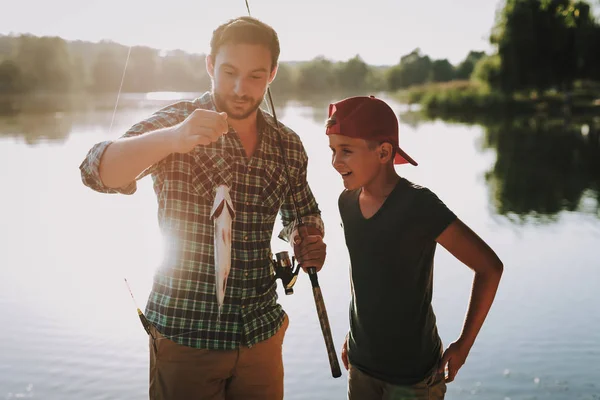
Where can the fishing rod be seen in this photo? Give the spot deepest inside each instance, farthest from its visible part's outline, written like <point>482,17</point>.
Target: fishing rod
<point>145,323</point>
<point>312,271</point>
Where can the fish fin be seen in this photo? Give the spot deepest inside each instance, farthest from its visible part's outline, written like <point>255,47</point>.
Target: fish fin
<point>222,197</point>
<point>230,208</point>
<point>224,287</point>
<point>217,209</point>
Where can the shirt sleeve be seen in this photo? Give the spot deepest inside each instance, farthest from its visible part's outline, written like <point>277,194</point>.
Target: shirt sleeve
<point>90,167</point>
<point>308,208</point>
<point>436,216</point>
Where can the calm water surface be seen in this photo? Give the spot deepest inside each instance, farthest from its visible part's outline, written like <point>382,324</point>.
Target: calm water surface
<point>529,188</point>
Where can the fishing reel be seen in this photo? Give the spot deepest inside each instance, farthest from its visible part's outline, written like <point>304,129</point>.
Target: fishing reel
<point>284,270</point>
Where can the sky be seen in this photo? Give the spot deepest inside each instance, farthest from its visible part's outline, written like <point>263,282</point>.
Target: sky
<point>380,31</point>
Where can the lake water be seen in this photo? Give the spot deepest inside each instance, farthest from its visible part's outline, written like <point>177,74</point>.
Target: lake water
<point>529,188</point>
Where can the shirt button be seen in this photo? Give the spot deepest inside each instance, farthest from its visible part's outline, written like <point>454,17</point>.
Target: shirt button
<point>246,274</point>
<point>246,237</point>
<point>247,203</point>
<point>243,306</point>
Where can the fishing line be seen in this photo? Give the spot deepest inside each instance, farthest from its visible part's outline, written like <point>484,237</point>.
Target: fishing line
<point>120,89</point>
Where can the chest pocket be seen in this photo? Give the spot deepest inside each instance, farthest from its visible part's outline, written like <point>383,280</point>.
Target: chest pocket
<point>275,186</point>
<point>210,170</point>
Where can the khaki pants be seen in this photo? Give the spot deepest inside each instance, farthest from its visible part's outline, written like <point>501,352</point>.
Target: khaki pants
<point>182,373</point>
<point>364,387</point>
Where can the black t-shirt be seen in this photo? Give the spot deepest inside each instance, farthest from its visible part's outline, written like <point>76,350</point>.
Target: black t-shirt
<point>393,334</point>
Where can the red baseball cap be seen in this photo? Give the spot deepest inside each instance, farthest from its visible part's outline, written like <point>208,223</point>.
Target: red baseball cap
<point>367,118</point>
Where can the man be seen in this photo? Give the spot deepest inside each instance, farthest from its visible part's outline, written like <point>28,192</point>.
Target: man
<point>190,148</point>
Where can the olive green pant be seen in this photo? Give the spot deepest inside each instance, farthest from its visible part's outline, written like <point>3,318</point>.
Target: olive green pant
<point>364,387</point>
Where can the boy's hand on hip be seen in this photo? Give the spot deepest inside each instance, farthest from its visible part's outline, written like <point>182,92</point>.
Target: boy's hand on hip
<point>453,359</point>
<point>344,353</point>
<point>309,249</point>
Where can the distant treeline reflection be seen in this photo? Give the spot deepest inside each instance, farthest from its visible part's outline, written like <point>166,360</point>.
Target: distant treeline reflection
<point>543,166</point>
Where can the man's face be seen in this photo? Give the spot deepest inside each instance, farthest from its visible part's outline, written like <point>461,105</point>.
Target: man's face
<point>241,74</point>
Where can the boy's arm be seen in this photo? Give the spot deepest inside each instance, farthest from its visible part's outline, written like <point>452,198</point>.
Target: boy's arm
<point>471,250</point>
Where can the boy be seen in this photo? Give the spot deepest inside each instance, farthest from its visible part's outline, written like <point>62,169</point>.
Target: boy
<point>391,227</point>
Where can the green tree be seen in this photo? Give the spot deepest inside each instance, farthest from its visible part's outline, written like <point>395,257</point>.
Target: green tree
<point>107,72</point>
<point>284,80</point>
<point>45,63</point>
<point>376,79</point>
<point>6,46</point>
<point>442,71</point>
<point>352,74</point>
<point>11,80</point>
<point>592,66</point>
<point>487,71</point>
<point>79,74</point>
<point>413,69</point>
<point>587,42</point>
<point>393,77</point>
<point>466,67</point>
<point>142,70</point>
<point>180,71</point>
<point>317,75</point>
<point>542,43</point>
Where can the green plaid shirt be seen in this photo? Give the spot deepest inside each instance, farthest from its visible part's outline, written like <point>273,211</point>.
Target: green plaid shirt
<point>182,304</point>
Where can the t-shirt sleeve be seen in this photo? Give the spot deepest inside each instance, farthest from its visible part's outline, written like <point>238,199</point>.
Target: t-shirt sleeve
<point>435,215</point>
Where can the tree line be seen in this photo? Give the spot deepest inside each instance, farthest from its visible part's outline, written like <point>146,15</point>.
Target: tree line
<point>52,64</point>
<point>539,44</point>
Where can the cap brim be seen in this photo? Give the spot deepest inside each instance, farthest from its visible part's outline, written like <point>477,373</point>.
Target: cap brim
<point>403,158</point>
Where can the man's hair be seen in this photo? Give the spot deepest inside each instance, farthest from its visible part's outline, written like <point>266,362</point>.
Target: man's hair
<point>246,30</point>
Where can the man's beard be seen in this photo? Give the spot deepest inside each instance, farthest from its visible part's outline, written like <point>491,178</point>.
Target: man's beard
<point>221,102</point>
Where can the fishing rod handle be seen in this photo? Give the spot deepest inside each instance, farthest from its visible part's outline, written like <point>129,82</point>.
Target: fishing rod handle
<point>314,279</point>
<point>326,330</point>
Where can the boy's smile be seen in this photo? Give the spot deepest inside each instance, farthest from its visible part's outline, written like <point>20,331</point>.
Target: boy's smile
<point>355,161</point>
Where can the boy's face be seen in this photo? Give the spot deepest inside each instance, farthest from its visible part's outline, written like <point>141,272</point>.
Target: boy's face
<point>241,74</point>
<point>354,160</point>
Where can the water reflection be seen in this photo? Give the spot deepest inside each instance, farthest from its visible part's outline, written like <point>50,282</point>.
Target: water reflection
<point>38,128</point>
<point>543,166</point>
<point>44,119</point>
<point>51,118</point>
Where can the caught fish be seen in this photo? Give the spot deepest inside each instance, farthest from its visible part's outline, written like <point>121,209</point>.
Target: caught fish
<point>222,214</point>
